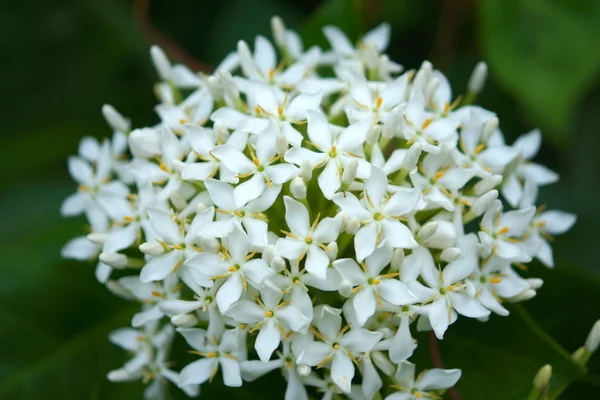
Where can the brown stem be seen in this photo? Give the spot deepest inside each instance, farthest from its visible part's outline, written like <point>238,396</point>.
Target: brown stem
<point>141,16</point>
<point>436,358</point>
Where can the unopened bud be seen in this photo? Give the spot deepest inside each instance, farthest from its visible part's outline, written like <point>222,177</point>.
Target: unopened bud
<point>298,188</point>
<point>524,296</point>
<point>244,50</point>
<point>411,158</point>
<point>373,134</point>
<point>593,340</point>
<point>450,254</point>
<point>488,129</point>
<point>161,63</point>
<point>303,370</point>
<point>152,248</point>
<point>581,356</point>
<point>215,87</point>
<point>397,259</point>
<point>119,290</point>
<point>277,263</point>
<point>118,375</point>
<point>97,237</point>
<point>116,121</point>
<point>184,320</point>
<point>178,201</point>
<point>332,250</point>
<point>281,145</point>
<point>115,260</point>
<point>423,74</point>
<point>542,378</point>
<point>427,230</point>
<point>228,84</point>
<point>144,143</point>
<point>350,172</point>
<point>477,79</point>
<point>431,87</point>
<point>278,29</point>
<point>345,288</point>
<point>485,185</point>
<point>383,363</point>
<point>483,203</point>
<point>535,283</point>
<point>352,226</point>
<point>391,125</point>
<point>443,237</point>
<point>306,170</point>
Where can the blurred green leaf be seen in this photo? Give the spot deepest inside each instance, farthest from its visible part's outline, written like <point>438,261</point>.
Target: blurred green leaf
<point>542,51</point>
<point>345,14</point>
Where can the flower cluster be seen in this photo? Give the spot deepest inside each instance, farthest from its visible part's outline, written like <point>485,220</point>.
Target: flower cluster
<point>282,219</point>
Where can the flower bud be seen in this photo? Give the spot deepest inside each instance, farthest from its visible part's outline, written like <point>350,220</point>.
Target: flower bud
<point>350,171</point>
<point>97,238</point>
<point>161,63</point>
<point>477,79</point>
<point>268,253</point>
<point>483,203</point>
<point>488,129</point>
<point>298,188</point>
<point>178,201</point>
<point>427,230</point>
<point>215,87</point>
<point>535,283</point>
<point>373,134</point>
<point>411,158</point>
<point>119,375</point>
<point>383,363</point>
<point>524,296</point>
<point>152,248</point>
<point>542,378</point>
<point>278,29</point>
<point>115,260</point>
<point>184,320</point>
<point>397,259</point>
<point>431,87</point>
<point>443,237</point>
<point>423,74</point>
<point>345,288</point>
<point>119,290</point>
<point>116,121</point>
<point>144,143</point>
<point>391,125</point>
<point>593,340</point>
<point>281,145</point>
<point>332,250</point>
<point>228,84</point>
<point>244,52</point>
<point>306,170</point>
<point>485,185</point>
<point>277,263</point>
<point>450,254</point>
<point>303,370</point>
<point>352,226</point>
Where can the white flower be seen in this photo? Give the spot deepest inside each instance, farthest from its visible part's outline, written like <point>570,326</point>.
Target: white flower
<point>370,287</point>
<point>423,386</point>
<point>215,352</point>
<point>234,265</point>
<point>307,240</point>
<point>334,151</point>
<point>270,318</point>
<point>338,346</point>
<point>262,168</point>
<point>379,214</point>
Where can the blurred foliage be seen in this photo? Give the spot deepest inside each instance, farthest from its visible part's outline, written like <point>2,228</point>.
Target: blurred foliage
<point>63,59</point>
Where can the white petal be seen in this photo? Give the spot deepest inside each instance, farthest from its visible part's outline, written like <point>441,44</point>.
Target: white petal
<point>314,353</point>
<point>196,338</point>
<point>467,306</point>
<point>197,372</point>
<point>365,240</point>
<point>317,261</point>
<point>81,171</point>
<point>231,118</point>
<point>360,340</point>
<point>318,130</point>
<point>163,223</point>
<point>221,193</point>
<point>120,239</point>
<point>254,369</point>
<point>329,180</point>
<point>230,292</point>
<point>149,315</point>
<point>364,303</point>
<point>342,371</point>
<point>290,248</point>
<point>158,268</point>
<point>80,249</point>
<point>126,338</point>
<point>379,36</point>
<point>264,55</point>
<point>395,292</point>
<point>249,190</point>
<point>72,205</point>
<point>517,221</point>
<point>397,234</point>
<point>403,344</point>
<point>327,230</point>
<point>402,202</point>
<point>539,174</point>
<point>557,222</point>
<point>268,340</point>
<point>293,317</point>
<point>296,110</point>
<point>376,186</point>
<point>338,40</point>
<point>439,316</point>
<point>233,159</point>
<point>351,206</point>
<point>529,143</point>
<point>247,312</point>
<point>377,261</point>
<point>296,217</point>
<point>353,136</point>
<point>436,379</point>
<point>256,230</point>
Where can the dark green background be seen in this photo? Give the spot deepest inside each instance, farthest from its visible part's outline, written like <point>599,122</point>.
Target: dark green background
<point>61,60</point>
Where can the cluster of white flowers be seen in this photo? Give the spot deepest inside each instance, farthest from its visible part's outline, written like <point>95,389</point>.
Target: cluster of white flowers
<point>280,219</point>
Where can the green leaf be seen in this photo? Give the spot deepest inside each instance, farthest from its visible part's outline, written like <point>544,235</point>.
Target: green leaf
<point>542,51</point>
<point>345,14</point>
